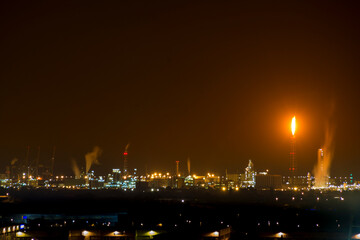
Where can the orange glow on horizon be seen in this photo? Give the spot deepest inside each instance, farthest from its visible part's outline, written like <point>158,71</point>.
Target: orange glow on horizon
<point>293,125</point>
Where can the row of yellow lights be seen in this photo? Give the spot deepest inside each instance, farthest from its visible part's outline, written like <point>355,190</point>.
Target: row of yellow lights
<point>116,233</point>
<point>10,229</point>
<point>153,175</point>
<point>281,234</point>
<point>88,233</point>
<point>159,175</point>
<point>152,233</point>
<point>156,175</point>
<point>225,188</point>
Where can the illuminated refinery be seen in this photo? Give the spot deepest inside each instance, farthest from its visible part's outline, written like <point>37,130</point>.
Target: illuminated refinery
<point>25,174</point>
<point>196,120</point>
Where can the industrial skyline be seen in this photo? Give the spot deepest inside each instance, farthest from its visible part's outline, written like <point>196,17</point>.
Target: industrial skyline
<point>27,173</point>
<point>184,83</point>
<point>178,120</point>
<point>321,167</point>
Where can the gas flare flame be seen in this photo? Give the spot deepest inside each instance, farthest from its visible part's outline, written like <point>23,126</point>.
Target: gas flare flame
<point>293,125</point>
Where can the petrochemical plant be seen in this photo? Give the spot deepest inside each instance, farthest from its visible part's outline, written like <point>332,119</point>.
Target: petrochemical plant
<point>33,174</point>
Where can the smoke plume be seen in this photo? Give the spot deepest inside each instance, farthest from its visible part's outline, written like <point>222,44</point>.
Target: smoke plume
<point>322,169</point>
<point>13,161</point>
<point>92,158</point>
<point>127,146</point>
<point>188,165</point>
<point>75,168</point>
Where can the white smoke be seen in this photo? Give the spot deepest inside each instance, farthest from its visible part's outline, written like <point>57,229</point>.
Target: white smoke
<point>75,168</point>
<point>92,158</point>
<point>13,161</point>
<point>127,147</point>
<point>322,169</point>
<point>188,165</point>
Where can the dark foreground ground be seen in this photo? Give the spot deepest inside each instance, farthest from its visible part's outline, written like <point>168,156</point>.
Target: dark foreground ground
<point>187,214</point>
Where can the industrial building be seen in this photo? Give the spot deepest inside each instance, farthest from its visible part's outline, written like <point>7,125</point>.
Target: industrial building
<point>265,181</point>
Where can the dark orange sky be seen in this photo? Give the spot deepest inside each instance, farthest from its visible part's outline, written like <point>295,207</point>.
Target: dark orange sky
<point>216,81</point>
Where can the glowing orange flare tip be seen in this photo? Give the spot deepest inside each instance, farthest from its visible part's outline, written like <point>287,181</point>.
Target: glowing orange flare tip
<point>293,125</point>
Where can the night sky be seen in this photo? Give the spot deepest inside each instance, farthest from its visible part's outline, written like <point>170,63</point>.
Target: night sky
<point>216,81</point>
